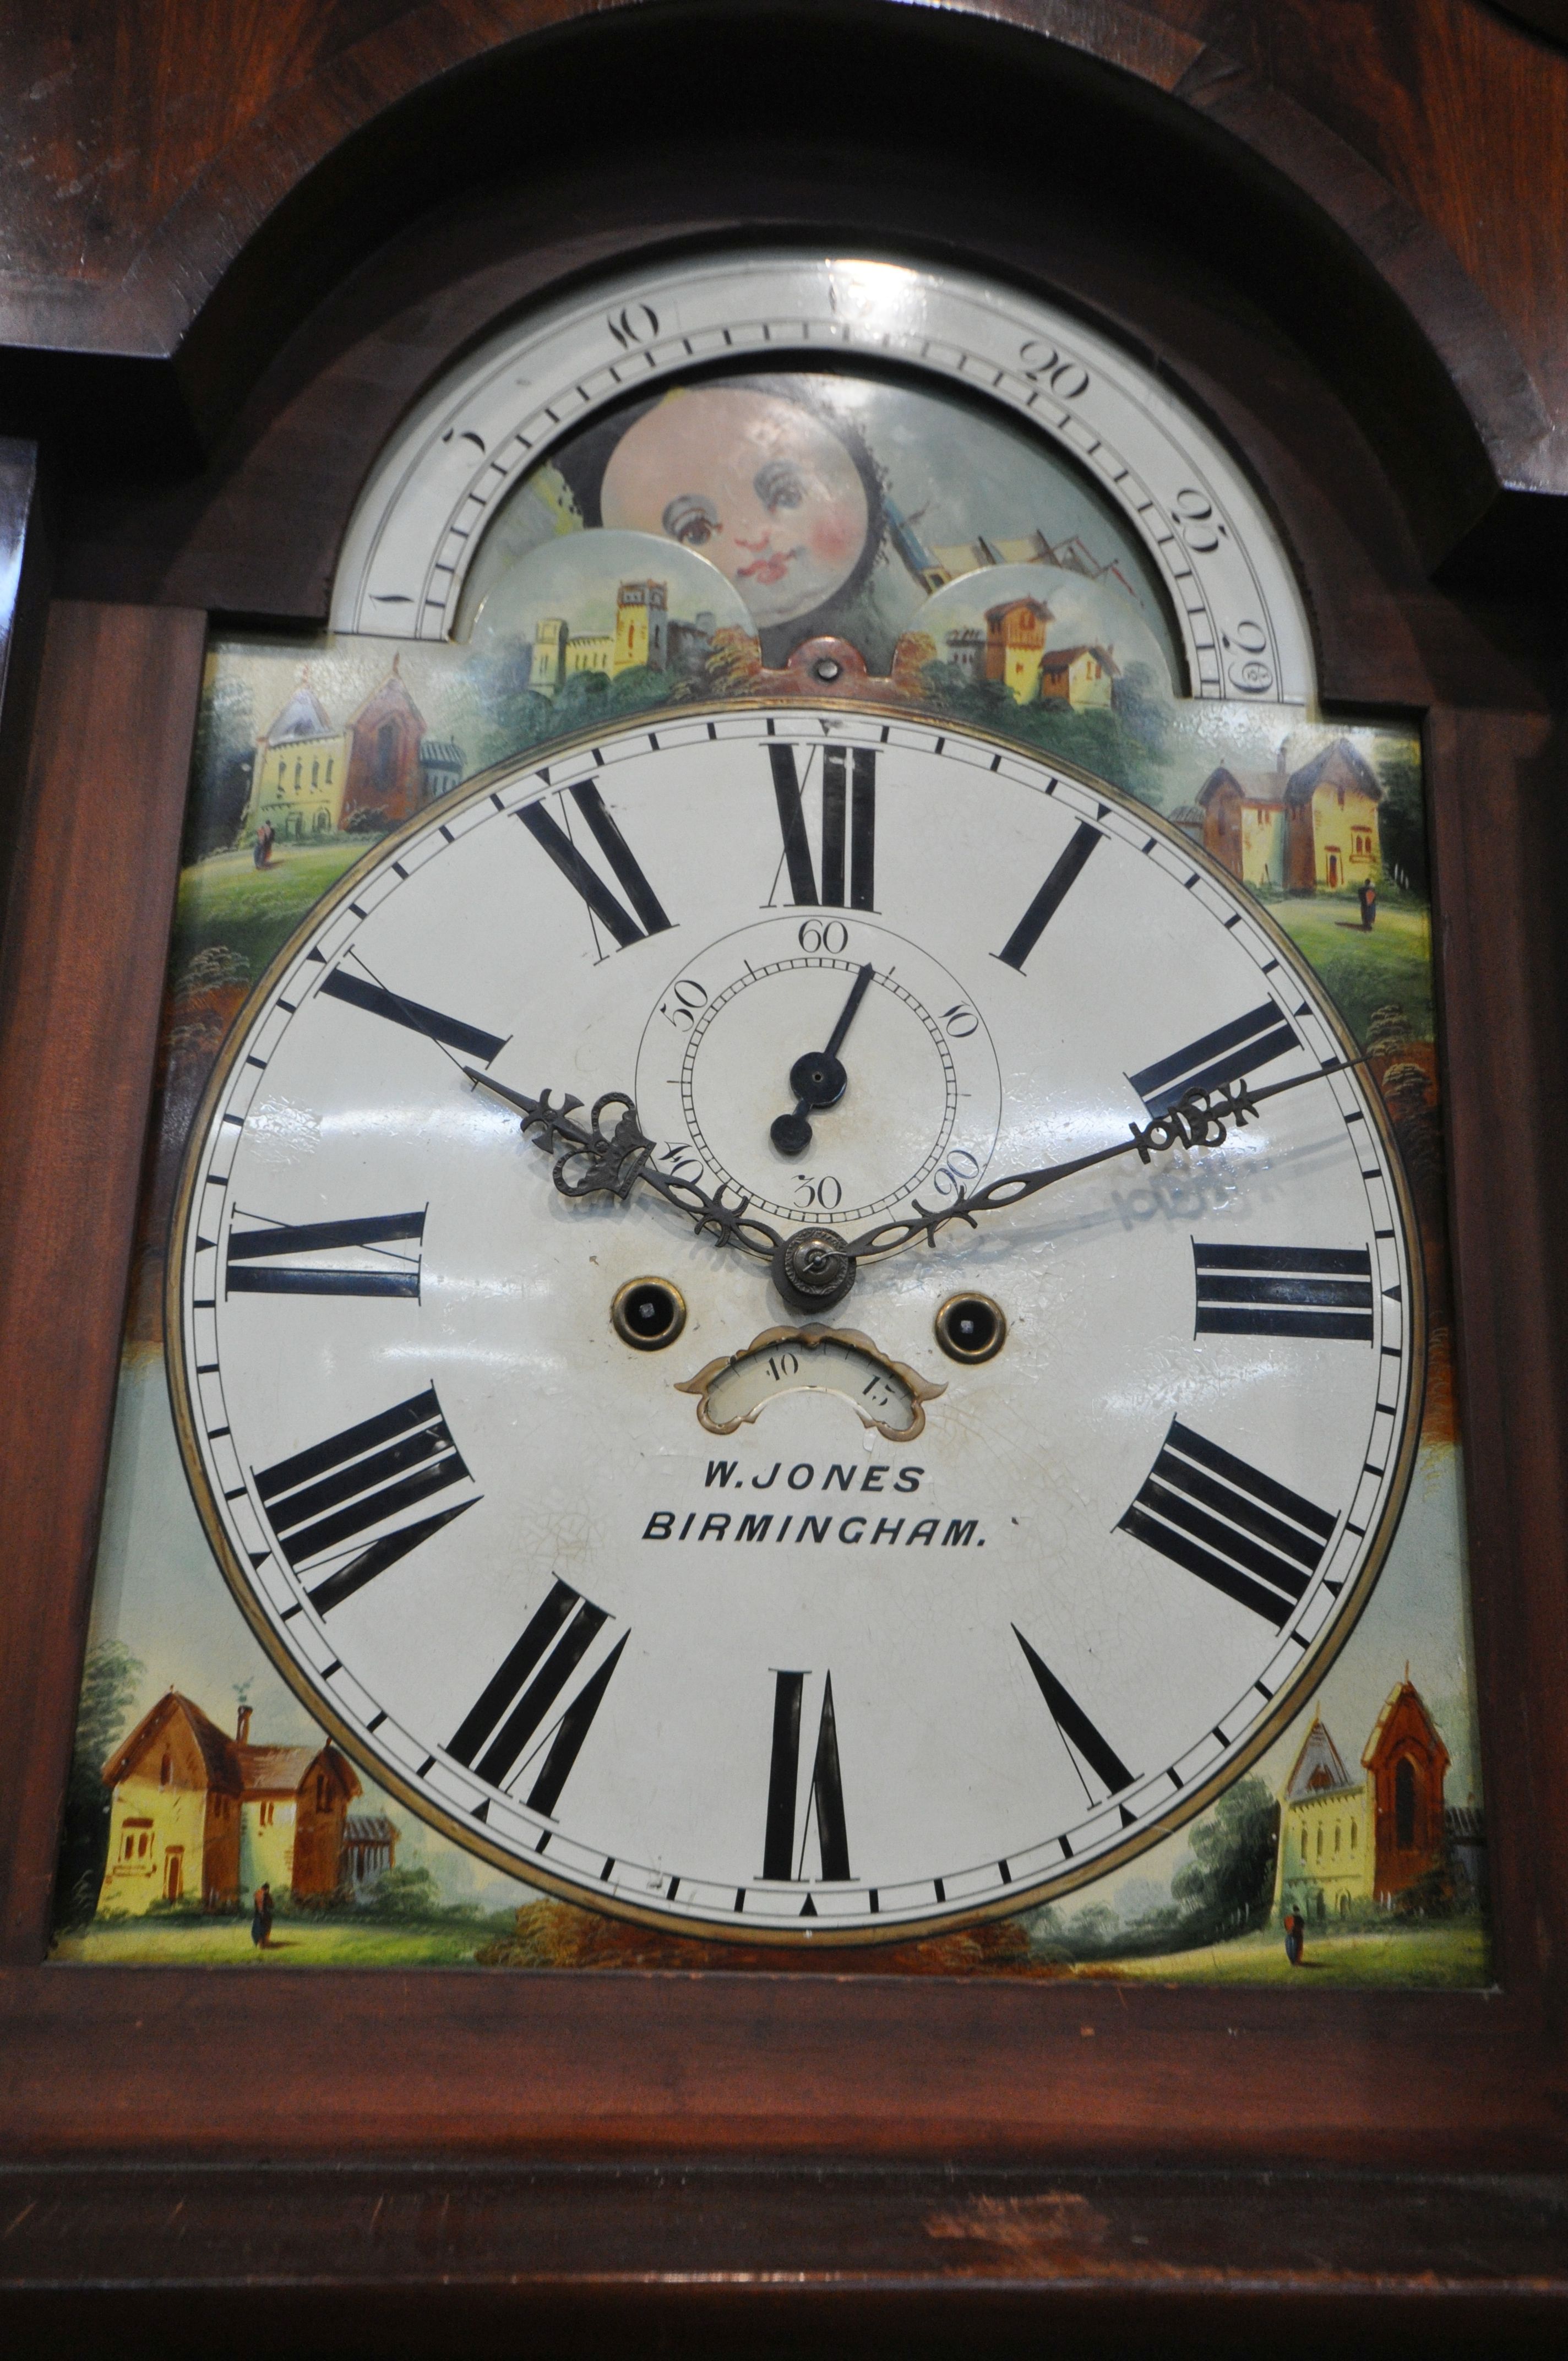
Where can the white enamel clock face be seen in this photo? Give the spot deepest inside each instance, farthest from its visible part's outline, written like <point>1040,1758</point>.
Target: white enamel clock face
<point>1206,537</point>
<point>800,1679</point>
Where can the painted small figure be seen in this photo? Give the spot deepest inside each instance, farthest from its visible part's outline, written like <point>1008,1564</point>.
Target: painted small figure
<point>1295,1936</point>
<point>1366,895</point>
<point>261,1918</point>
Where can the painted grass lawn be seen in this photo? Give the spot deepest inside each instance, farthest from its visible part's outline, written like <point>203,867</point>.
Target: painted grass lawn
<point>227,899</point>
<point>296,1943</point>
<point>1408,1957</point>
<point>1364,972</point>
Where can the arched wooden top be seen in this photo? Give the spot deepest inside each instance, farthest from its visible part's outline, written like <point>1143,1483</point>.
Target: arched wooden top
<point>168,148</point>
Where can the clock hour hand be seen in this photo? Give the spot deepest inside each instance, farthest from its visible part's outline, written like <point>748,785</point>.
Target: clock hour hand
<point>592,1162</point>
<point>818,1080</point>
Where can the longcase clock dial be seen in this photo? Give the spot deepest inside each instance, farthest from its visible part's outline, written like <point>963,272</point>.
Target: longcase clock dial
<point>503,1394</point>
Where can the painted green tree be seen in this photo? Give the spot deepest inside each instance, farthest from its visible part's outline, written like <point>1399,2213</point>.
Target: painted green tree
<point>1228,1884</point>
<point>110,1681</point>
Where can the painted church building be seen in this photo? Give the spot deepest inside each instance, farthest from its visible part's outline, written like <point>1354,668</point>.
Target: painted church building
<point>1349,1840</point>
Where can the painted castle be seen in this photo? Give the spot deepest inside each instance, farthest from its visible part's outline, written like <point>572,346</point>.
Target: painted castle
<point>644,634</point>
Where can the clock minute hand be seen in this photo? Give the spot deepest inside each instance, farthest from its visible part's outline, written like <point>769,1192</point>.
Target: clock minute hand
<point>591,1161</point>
<point>1197,1119</point>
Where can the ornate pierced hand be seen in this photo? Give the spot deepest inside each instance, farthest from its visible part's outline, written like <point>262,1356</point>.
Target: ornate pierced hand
<point>814,1268</point>
<point>589,1163</point>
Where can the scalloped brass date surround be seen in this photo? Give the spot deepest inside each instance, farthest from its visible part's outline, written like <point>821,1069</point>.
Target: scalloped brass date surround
<point>734,1392</point>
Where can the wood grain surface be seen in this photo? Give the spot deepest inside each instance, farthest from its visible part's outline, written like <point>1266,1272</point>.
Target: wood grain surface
<point>81,985</point>
<point>241,240</point>
<point>584,2262</point>
<point>178,176</point>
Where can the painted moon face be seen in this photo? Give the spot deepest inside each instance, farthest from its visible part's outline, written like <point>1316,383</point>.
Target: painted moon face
<point>762,487</point>
<point>549,1505</point>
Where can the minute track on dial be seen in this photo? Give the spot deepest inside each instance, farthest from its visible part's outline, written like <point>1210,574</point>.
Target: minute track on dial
<point>613,1163</point>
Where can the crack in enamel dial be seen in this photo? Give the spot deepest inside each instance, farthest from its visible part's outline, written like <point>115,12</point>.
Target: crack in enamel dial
<point>796,1675</point>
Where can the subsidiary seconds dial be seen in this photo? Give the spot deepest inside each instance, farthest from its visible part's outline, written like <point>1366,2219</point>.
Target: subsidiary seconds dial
<point>714,1619</point>
<point>911,1102</point>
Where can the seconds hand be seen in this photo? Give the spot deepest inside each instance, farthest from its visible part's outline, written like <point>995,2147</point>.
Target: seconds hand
<point>817,1080</point>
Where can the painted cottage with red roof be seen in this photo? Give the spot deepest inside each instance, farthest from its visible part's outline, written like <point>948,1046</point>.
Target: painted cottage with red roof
<point>199,1816</point>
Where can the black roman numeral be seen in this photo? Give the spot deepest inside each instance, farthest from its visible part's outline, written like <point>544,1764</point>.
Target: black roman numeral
<point>1229,1524</point>
<point>827,1787</point>
<point>848,810</point>
<point>1075,1727</point>
<point>323,1499</point>
<point>360,993</point>
<point>611,914</point>
<point>1284,1292</point>
<point>1224,1056</point>
<point>1051,895</point>
<point>257,1263</point>
<point>492,1739</point>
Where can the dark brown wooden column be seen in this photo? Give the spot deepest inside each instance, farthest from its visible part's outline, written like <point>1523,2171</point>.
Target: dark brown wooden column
<point>81,982</point>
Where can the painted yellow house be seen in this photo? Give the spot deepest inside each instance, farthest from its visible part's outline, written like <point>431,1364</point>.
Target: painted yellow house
<point>174,1819</point>
<point>1330,807</point>
<point>301,771</point>
<point>1312,830</point>
<point>1016,645</point>
<point>1077,676</point>
<point>309,778</point>
<point>1244,824</point>
<point>199,1817</point>
<point>1325,1864</point>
